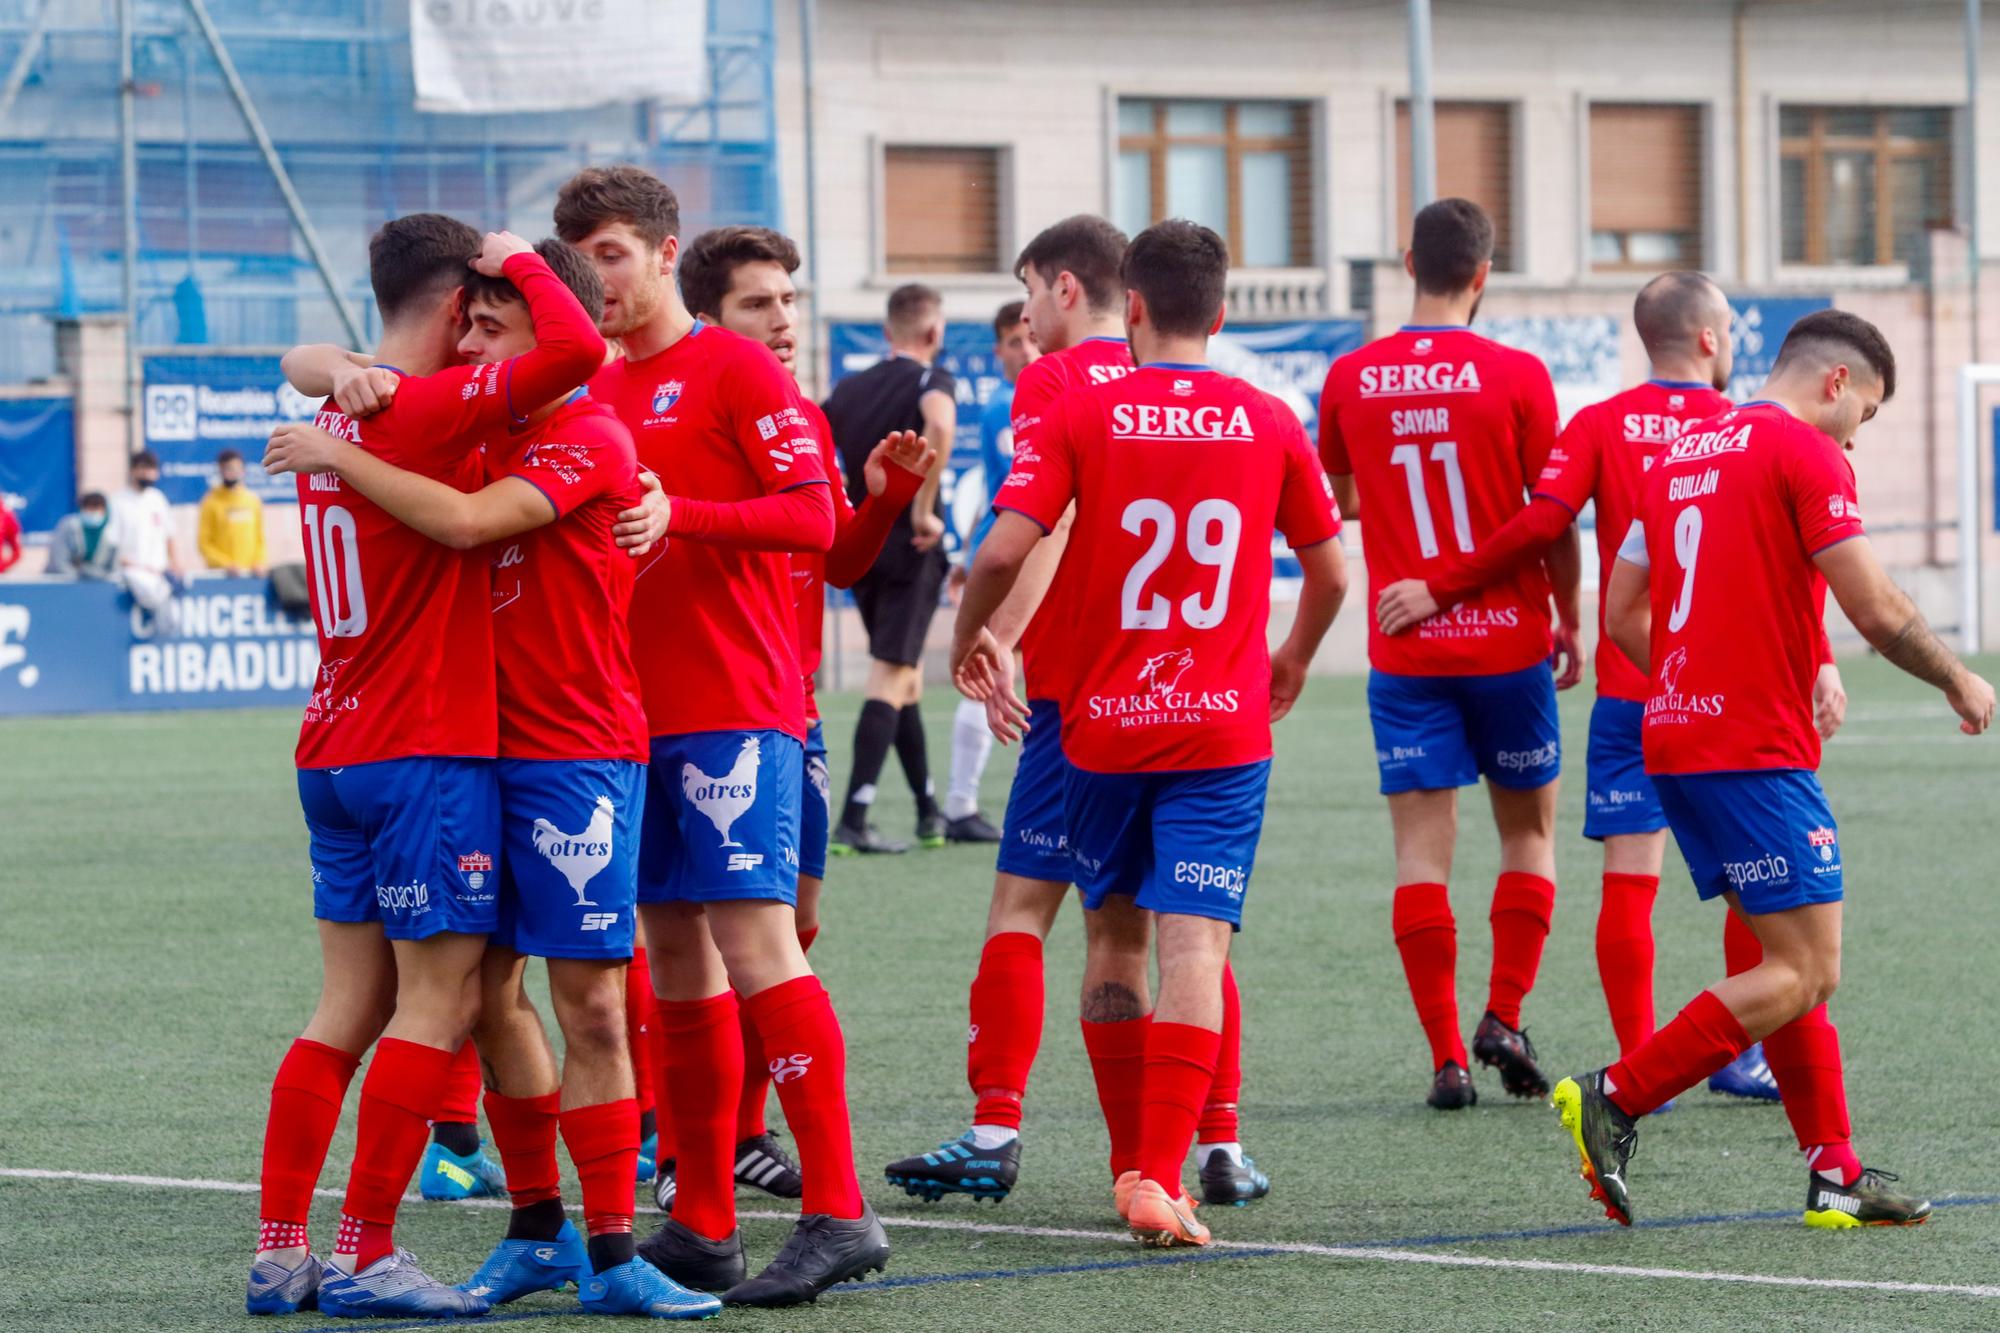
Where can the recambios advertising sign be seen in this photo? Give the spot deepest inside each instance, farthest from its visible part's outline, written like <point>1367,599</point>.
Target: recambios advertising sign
<point>197,406</point>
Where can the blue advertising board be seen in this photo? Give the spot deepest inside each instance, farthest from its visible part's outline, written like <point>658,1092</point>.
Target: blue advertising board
<point>1757,327</point>
<point>196,406</point>
<point>82,647</point>
<point>38,459</point>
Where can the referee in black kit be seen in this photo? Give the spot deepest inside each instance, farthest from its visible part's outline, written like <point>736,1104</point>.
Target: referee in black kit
<point>898,596</point>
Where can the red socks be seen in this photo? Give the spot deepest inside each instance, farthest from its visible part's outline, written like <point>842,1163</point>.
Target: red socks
<point>1522,906</point>
<point>603,1141</point>
<point>1179,1069</point>
<point>1804,1056</point>
<point>750,1120</point>
<point>460,1103</point>
<point>306,1094</point>
<point>638,1022</point>
<point>1740,948</point>
<point>1006,1026</point>
<point>398,1099</point>
<point>703,1073</point>
<point>1218,1113</point>
<point>1427,937</point>
<point>808,1062</point>
<point>1625,955</point>
<point>1702,1039</point>
<point>1118,1063</point>
<point>524,1130</point>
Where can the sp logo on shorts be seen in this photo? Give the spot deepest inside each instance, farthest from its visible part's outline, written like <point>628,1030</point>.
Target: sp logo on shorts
<point>787,1067</point>
<point>599,920</point>
<point>745,860</point>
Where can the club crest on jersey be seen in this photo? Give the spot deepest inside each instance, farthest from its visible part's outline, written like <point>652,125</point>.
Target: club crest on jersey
<point>1669,706</point>
<point>1824,841</point>
<point>475,866</point>
<point>727,798</point>
<point>665,396</point>
<point>1163,699</point>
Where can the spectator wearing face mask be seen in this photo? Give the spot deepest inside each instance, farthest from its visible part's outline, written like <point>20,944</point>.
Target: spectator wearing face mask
<point>231,531</point>
<point>149,560</point>
<point>81,545</point>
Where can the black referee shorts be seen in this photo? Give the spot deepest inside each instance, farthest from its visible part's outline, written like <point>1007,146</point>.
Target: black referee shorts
<point>897,611</point>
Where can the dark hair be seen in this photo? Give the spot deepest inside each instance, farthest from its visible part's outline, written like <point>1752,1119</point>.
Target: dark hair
<point>910,308</point>
<point>633,195</point>
<point>92,500</point>
<point>1087,248</point>
<point>143,458</point>
<point>417,260</point>
<point>1449,240</point>
<point>1008,316</point>
<point>1181,270</point>
<point>228,456</point>
<point>565,261</point>
<point>1673,309</point>
<point>1830,336</point>
<point>708,266</point>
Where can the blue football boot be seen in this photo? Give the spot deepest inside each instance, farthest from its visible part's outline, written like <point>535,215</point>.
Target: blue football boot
<point>649,1159</point>
<point>636,1287</point>
<point>393,1287</point>
<point>276,1289</point>
<point>518,1268</point>
<point>447,1177</point>
<point>959,1167</point>
<point>1232,1181</point>
<point>1748,1075</point>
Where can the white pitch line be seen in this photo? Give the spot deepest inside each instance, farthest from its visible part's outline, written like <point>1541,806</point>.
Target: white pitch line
<point>1355,1253</point>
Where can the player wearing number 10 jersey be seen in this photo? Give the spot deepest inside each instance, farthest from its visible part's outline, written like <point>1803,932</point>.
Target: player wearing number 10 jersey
<point>1166,686</point>
<point>1439,433</point>
<point>1744,524</point>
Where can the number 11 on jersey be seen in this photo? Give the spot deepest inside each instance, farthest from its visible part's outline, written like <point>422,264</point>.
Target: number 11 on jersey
<point>1410,457</point>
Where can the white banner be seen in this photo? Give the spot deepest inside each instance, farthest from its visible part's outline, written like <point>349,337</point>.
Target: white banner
<point>555,55</point>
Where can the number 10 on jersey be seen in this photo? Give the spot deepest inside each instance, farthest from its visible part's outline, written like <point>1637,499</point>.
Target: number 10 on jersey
<point>333,548</point>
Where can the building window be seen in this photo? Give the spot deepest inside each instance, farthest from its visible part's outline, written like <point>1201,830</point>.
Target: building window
<point>1475,160</point>
<point>1241,168</point>
<point>941,210</point>
<point>1863,185</point>
<point>1645,187</point>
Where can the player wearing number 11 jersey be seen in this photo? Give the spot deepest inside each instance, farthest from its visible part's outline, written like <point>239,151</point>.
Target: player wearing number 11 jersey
<point>1439,432</point>
<point>1177,475</point>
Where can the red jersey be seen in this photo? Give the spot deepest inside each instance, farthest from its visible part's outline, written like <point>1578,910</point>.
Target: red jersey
<point>561,594</point>
<point>1096,360</point>
<point>1179,475</point>
<point>1730,519</point>
<point>809,575</point>
<point>1443,431</point>
<point>713,630</point>
<point>1603,455</point>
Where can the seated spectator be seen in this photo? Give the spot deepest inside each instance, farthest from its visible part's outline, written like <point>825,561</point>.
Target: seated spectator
<point>231,532</point>
<point>81,547</point>
<point>142,528</point>
<point>10,537</point>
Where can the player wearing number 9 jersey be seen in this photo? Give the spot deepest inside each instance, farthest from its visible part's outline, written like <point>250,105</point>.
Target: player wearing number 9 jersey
<point>1178,475</point>
<point>1439,433</point>
<point>1744,523</point>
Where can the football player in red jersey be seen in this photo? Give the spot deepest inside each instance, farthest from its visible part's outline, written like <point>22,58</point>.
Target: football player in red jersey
<point>572,752</point>
<point>716,646</point>
<point>1602,457</point>
<point>1432,436</point>
<point>1173,475</point>
<point>396,774</point>
<point>740,279</point>
<point>1743,525</point>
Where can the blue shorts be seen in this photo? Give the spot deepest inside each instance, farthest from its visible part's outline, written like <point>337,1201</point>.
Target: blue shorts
<point>722,818</point>
<point>1434,732</point>
<point>1174,842</point>
<point>1034,834</point>
<point>1620,799</point>
<point>570,874</point>
<point>411,843</point>
<point>815,805</point>
<point>1768,835</point>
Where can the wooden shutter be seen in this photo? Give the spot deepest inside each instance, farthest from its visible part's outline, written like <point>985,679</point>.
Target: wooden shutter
<point>1646,170</point>
<point>941,210</point>
<point>1475,160</point>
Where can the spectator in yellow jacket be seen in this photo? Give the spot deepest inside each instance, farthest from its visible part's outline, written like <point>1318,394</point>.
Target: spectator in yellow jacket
<point>231,532</point>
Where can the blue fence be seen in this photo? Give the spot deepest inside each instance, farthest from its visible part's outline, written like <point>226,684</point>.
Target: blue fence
<point>84,648</point>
